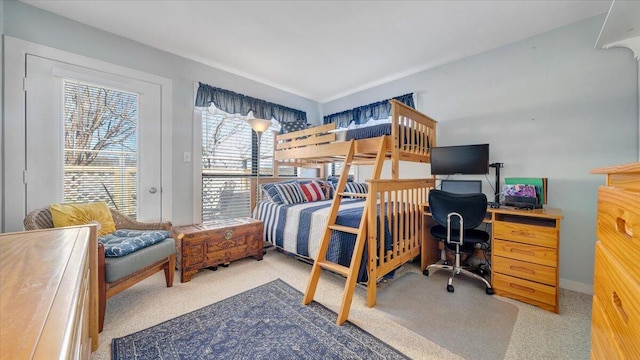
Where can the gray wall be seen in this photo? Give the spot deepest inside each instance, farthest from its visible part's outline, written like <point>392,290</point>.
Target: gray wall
<point>32,24</point>
<point>550,105</point>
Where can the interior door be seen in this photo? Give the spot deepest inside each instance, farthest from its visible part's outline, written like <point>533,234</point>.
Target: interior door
<point>45,135</point>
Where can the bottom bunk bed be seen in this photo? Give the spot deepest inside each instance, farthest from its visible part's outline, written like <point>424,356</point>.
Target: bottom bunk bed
<point>298,227</point>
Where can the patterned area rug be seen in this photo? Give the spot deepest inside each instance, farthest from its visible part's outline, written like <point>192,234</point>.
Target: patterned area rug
<point>267,322</point>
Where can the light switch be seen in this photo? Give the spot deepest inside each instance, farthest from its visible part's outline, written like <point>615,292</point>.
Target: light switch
<point>187,156</point>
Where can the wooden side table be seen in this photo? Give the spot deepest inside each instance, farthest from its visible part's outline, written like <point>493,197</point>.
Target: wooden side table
<point>216,243</point>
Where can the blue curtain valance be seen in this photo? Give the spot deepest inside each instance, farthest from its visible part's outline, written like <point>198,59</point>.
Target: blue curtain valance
<point>234,103</point>
<point>361,114</point>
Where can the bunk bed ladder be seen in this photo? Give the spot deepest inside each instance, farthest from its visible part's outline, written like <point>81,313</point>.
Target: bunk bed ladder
<point>321,262</point>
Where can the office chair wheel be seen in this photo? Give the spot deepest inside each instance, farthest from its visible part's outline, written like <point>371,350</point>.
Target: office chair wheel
<point>425,272</point>
<point>490,291</point>
<point>450,288</point>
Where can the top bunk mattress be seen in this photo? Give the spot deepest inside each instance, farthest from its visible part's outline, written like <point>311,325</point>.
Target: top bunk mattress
<point>368,132</point>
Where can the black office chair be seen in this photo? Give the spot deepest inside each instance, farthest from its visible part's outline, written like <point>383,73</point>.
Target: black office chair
<point>456,217</point>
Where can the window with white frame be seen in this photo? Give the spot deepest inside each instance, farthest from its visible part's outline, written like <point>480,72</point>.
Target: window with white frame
<point>229,161</point>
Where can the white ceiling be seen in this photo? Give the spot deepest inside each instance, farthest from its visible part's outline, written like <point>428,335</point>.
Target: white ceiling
<point>323,50</point>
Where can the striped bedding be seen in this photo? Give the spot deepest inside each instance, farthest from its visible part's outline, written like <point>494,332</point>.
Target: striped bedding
<point>298,229</point>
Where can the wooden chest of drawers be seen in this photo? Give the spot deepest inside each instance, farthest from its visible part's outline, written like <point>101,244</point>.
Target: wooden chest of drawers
<point>215,243</point>
<point>615,325</point>
<point>49,287</point>
<point>525,255</point>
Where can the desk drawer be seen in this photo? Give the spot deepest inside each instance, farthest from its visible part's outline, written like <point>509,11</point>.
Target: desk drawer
<point>618,226</point>
<point>523,252</point>
<point>524,290</point>
<point>526,270</point>
<point>618,294</point>
<point>528,234</point>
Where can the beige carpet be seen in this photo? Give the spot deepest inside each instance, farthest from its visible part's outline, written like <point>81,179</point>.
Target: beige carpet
<point>468,322</point>
<point>537,334</point>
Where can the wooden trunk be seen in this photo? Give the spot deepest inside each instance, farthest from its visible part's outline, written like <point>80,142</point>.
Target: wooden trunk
<point>216,243</point>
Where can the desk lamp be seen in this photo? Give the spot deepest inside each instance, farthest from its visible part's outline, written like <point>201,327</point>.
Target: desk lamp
<point>259,126</point>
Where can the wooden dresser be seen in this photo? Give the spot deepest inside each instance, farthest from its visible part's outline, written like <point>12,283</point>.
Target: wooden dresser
<point>49,294</point>
<point>615,324</point>
<point>525,255</point>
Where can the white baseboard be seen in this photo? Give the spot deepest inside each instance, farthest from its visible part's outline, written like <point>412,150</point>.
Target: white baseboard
<point>576,286</point>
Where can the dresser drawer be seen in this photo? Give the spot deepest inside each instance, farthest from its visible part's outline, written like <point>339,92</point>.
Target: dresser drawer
<point>528,291</point>
<point>617,293</point>
<point>523,252</point>
<point>528,234</point>
<point>619,226</point>
<point>603,343</point>
<point>526,270</point>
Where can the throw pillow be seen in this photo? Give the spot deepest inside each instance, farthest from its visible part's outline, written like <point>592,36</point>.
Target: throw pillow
<point>269,192</point>
<point>83,214</point>
<point>290,193</point>
<point>357,188</point>
<point>327,189</point>
<point>312,191</point>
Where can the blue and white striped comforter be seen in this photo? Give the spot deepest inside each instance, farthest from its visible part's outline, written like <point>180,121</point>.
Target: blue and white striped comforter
<point>298,229</point>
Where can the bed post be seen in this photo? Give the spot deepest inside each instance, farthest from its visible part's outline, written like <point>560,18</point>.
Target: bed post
<point>395,151</point>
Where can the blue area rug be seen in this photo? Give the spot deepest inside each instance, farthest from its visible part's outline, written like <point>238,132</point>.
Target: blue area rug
<point>267,322</point>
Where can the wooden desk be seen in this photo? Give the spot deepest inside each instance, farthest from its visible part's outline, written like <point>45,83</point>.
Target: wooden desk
<point>49,293</point>
<point>525,253</point>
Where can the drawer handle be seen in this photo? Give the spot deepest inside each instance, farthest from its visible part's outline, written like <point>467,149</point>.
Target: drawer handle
<point>522,269</point>
<point>623,227</point>
<point>523,252</point>
<point>522,288</point>
<point>617,303</point>
<point>523,233</point>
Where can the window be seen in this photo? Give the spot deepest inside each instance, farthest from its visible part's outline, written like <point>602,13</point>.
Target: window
<point>100,146</point>
<point>335,169</point>
<point>229,149</point>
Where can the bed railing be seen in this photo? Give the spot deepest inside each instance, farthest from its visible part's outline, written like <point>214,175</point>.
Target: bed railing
<point>399,203</point>
<point>413,134</point>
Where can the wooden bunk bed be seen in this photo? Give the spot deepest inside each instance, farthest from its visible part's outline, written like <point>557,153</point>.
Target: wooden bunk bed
<point>392,204</point>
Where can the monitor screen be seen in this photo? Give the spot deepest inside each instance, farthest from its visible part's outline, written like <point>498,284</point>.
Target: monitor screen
<point>463,159</point>
<point>461,186</point>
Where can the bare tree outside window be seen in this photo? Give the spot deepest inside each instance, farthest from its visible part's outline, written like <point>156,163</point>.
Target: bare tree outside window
<point>102,119</point>
<point>100,155</point>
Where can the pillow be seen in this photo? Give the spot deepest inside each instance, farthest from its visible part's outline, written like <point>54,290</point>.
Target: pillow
<point>269,192</point>
<point>333,179</point>
<point>83,214</point>
<point>312,191</point>
<point>327,188</point>
<point>290,193</point>
<point>357,188</point>
<point>288,127</point>
<point>123,242</point>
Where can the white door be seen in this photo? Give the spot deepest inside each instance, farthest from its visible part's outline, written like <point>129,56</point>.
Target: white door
<point>126,173</point>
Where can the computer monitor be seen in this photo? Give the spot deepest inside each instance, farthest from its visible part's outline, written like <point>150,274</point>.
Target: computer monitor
<point>461,186</point>
<point>461,159</point>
